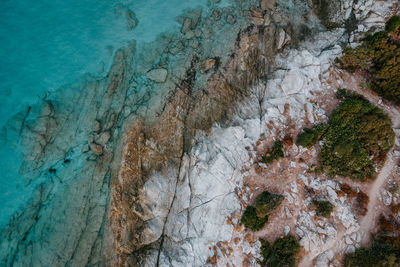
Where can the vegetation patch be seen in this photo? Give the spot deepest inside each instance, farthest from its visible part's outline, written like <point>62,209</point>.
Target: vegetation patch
<point>357,136</point>
<point>382,253</point>
<point>255,217</point>
<point>310,136</point>
<point>385,249</point>
<point>273,153</point>
<point>379,56</point>
<point>251,220</point>
<point>282,253</point>
<point>393,25</point>
<point>324,207</point>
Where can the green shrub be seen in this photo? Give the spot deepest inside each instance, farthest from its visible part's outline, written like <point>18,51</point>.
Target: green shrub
<point>310,137</point>
<point>379,54</point>
<point>283,253</point>
<point>381,254</point>
<point>393,24</point>
<point>274,153</point>
<point>267,202</point>
<point>251,221</point>
<point>254,218</point>
<point>357,135</point>
<point>324,208</point>
<point>357,131</point>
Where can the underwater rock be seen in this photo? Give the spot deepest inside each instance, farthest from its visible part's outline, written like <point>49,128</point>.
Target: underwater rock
<point>163,190</point>
<point>158,75</point>
<point>268,4</point>
<point>209,64</point>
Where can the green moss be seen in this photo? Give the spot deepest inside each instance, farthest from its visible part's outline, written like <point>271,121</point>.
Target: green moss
<point>283,253</point>
<point>255,217</point>
<point>324,208</point>
<point>274,153</point>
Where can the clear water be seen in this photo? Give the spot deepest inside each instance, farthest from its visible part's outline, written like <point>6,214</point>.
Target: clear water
<point>45,44</point>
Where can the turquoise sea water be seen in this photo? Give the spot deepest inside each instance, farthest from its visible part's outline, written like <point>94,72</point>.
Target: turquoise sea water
<point>47,44</point>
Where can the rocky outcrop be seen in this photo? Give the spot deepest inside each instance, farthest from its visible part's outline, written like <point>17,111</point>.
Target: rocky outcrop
<point>166,194</point>
<point>146,166</point>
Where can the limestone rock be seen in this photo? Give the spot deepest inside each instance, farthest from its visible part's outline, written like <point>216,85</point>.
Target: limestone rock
<point>293,82</point>
<point>386,197</point>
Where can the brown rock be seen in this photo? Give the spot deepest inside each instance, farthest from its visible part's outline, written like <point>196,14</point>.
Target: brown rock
<point>103,138</point>
<point>97,149</point>
<point>209,64</point>
<point>268,4</point>
<point>97,126</point>
<point>256,12</point>
<point>257,21</point>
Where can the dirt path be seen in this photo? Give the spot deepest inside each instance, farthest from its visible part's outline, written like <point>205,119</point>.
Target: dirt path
<point>368,222</point>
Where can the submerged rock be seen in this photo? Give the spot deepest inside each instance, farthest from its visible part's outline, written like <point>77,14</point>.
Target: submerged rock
<point>158,75</point>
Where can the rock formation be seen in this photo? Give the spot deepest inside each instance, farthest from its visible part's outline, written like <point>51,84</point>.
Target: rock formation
<point>153,164</point>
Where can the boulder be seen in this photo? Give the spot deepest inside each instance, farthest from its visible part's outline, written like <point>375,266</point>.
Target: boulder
<point>209,64</point>
<point>292,83</point>
<point>97,149</point>
<point>157,75</point>
<point>268,4</point>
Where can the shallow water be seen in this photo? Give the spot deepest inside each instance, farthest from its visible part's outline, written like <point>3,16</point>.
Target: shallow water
<point>48,44</point>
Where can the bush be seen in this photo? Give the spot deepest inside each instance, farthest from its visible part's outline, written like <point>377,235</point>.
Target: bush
<point>283,252</point>
<point>357,131</point>
<point>379,54</point>
<point>310,137</point>
<point>254,218</point>
<point>357,136</point>
<point>274,153</point>
<point>393,24</point>
<point>251,221</point>
<point>324,208</point>
<point>381,254</point>
<point>385,248</point>
<point>267,202</point>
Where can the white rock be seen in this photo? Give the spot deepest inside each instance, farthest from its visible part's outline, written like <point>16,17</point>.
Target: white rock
<point>386,197</point>
<point>292,83</point>
<point>348,240</point>
<point>287,230</point>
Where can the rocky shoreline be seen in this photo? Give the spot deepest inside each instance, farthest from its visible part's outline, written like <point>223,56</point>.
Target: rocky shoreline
<point>160,160</point>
